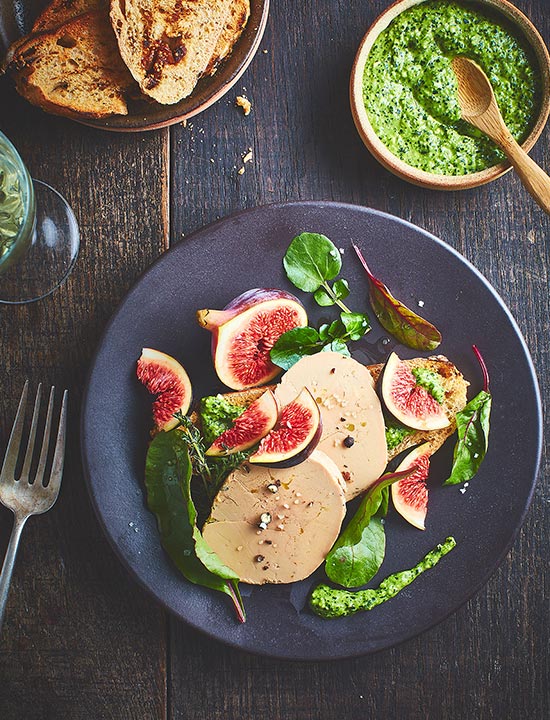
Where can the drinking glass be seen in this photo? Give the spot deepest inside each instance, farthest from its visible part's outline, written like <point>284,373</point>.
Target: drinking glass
<point>39,237</point>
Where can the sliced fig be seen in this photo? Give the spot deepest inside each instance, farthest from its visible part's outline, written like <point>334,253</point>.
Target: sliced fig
<point>163,376</point>
<point>295,436</point>
<point>249,428</point>
<point>407,401</point>
<point>244,332</point>
<point>410,494</point>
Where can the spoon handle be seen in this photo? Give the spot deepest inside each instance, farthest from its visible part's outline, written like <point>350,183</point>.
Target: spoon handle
<point>533,177</point>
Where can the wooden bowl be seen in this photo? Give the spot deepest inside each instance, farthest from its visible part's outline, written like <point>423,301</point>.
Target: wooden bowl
<point>421,177</point>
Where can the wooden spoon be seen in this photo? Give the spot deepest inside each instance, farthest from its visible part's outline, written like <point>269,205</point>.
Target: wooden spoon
<point>479,107</point>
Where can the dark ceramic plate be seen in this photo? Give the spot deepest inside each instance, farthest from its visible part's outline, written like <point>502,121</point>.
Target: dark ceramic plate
<point>244,251</point>
<point>17,17</point>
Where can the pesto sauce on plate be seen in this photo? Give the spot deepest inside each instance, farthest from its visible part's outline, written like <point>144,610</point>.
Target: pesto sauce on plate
<point>410,90</point>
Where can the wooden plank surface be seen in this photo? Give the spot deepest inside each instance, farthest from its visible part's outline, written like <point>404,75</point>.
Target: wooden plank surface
<point>83,640</point>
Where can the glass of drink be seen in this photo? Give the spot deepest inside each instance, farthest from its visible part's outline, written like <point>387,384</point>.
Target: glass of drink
<point>39,235</point>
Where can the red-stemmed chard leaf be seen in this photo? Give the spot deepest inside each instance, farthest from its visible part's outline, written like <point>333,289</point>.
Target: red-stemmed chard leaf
<point>472,424</point>
<point>400,321</point>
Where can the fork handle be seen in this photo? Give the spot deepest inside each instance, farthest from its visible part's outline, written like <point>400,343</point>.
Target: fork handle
<point>9,562</point>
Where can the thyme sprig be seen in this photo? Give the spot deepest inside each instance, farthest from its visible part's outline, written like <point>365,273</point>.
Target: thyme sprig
<point>212,471</point>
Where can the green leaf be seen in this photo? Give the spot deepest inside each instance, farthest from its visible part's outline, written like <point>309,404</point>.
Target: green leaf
<point>338,346</point>
<point>168,482</point>
<point>341,289</point>
<point>472,425</point>
<point>355,324</point>
<point>322,297</point>
<point>295,344</point>
<point>404,324</point>
<point>357,555</point>
<point>311,259</point>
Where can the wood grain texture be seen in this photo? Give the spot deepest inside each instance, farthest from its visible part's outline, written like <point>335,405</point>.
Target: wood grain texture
<point>91,643</point>
<point>81,640</point>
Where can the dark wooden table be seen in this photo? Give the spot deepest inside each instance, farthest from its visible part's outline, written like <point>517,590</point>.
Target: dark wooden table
<point>81,640</point>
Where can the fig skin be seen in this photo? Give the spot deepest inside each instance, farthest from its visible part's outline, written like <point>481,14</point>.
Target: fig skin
<point>414,507</point>
<point>238,365</point>
<point>164,377</point>
<point>430,414</point>
<point>258,419</point>
<point>303,448</point>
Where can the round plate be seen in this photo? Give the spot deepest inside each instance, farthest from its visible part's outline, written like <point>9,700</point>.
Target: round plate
<point>243,251</point>
<point>144,115</point>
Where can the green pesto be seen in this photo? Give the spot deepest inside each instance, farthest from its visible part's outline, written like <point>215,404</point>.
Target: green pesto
<point>217,416</point>
<point>395,434</point>
<point>331,603</point>
<point>430,381</point>
<point>410,90</point>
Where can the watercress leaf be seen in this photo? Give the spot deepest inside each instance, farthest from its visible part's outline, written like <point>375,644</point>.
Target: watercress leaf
<point>359,551</point>
<point>322,297</point>
<point>340,289</point>
<point>323,332</point>
<point>355,324</point>
<point>293,345</point>
<point>167,480</point>
<point>311,259</point>
<point>472,425</point>
<point>338,346</point>
<point>400,321</point>
<point>336,329</point>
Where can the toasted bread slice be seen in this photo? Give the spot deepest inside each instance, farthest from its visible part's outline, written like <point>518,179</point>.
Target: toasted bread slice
<point>455,399</point>
<point>59,12</point>
<point>238,17</point>
<point>167,44</point>
<point>74,70</point>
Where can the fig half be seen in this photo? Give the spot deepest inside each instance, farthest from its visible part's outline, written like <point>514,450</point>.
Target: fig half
<point>163,376</point>
<point>407,401</point>
<point>249,428</point>
<point>410,494</point>
<point>295,436</point>
<point>244,332</point>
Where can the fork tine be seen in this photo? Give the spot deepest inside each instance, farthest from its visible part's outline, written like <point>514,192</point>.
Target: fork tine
<point>46,441</point>
<point>59,454</point>
<point>12,451</point>
<point>32,435</point>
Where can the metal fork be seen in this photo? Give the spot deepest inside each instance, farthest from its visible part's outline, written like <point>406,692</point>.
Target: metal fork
<point>28,496</point>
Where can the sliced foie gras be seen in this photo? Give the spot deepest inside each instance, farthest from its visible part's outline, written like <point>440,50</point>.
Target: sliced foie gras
<point>277,525</point>
<point>353,424</point>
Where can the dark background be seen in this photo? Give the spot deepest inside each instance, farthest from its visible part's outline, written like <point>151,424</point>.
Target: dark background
<point>81,640</point>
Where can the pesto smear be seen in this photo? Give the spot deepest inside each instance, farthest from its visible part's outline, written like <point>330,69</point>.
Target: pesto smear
<point>217,416</point>
<point>410,90</point>
<point>331,602</point>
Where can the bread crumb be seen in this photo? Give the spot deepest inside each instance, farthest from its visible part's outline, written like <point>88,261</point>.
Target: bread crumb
<point>245,103</point>
<point>264,52</point>
<point>241,170</point>
<point>248,156</point>
<point>184,122</point>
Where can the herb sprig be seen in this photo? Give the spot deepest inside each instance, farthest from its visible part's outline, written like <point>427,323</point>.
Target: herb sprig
<point>212,471</point>
<point>310,262</point>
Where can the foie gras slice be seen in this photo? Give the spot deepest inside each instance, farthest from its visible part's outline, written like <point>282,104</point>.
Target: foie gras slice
<point>353,425</point>
<point>277,525</point>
